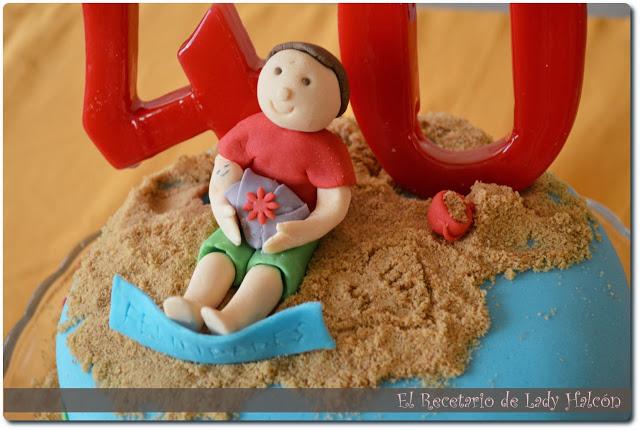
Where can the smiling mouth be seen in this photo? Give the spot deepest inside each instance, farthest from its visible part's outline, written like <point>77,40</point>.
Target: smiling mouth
<point>282,112</point>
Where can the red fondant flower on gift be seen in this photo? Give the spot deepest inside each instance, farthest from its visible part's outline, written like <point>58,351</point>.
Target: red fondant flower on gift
<point>260,205</point>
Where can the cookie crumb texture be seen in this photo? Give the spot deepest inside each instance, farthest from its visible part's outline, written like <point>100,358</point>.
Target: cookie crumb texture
<point>399,301</point>
<point>456,207</point>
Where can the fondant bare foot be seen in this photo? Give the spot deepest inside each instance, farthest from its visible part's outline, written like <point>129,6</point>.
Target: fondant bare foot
<point>216,322</point>
<point>183,312</point>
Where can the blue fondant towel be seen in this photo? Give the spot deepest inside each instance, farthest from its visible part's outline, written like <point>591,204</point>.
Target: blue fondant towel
<point>291,331</point>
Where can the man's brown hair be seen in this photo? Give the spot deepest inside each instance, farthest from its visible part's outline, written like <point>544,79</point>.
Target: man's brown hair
<point>325,58</point>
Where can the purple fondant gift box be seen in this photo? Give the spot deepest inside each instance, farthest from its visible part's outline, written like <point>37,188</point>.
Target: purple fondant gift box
<point>261,203</point>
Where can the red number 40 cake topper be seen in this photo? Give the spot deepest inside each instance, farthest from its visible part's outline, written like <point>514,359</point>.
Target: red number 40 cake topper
<point>378,47</point>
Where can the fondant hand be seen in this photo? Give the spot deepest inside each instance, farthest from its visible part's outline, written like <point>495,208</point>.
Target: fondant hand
<point>290,234</point>
<point>225,216</point>
<point>225,173</point>
<point>280,241</point>
<point>332,205</point>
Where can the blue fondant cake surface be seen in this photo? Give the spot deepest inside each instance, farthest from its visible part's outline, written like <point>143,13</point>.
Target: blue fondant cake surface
<point>563,328</point>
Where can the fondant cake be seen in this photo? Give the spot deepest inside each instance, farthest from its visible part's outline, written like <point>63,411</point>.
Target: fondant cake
<point>520,300</point>
<point>309,250</point>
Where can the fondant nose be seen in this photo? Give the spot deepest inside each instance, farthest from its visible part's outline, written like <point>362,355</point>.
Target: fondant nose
<point>284,93</point>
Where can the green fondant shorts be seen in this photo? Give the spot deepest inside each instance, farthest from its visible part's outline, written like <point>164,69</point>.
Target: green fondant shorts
<point>292,263</point>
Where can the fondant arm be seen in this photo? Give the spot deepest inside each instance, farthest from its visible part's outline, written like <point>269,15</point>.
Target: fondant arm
<point>225,173</point>
<point>332,206</point>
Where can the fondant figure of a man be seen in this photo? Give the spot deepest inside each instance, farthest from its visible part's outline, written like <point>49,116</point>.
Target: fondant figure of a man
<point>279,183</point>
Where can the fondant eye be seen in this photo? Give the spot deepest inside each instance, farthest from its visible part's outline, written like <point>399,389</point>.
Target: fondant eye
<point>277,70</point>
<point>306,81</point>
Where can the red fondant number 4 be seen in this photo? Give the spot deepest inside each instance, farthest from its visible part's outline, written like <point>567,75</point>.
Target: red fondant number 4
<point>218,59</point>
<point>379,49</point>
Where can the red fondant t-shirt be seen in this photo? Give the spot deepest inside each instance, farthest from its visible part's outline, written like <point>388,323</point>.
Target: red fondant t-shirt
<point>303,161</point>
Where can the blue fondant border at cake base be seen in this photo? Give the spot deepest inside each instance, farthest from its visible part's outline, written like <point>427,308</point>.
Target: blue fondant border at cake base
<point>559,329</point>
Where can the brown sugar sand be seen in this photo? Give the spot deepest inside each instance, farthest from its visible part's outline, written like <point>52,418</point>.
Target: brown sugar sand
<point>399,301</point>
<point>452,133</point>
<point>456,206</point>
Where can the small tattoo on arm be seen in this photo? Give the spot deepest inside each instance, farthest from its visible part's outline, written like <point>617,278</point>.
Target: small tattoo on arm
<point>221,172</point>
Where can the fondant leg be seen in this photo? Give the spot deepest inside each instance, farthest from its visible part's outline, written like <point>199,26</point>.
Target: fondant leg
<point>209,283</point>
<point>259,293</point>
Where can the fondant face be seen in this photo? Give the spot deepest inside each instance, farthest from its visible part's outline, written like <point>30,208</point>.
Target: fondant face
<point>297,92</point>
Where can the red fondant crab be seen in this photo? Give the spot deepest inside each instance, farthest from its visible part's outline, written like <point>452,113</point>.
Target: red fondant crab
<point>443,223</point>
